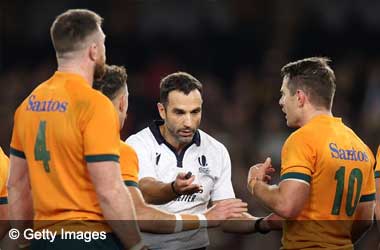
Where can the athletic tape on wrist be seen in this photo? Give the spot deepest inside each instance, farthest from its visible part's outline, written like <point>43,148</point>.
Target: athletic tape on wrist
<point>202,220</point>
<point>178,223</point>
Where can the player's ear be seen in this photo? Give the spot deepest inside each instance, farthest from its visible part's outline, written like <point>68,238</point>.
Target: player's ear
<point>301,98</point>
<point>93,52</point>
<point>123,104</point>
<point>161,110</point>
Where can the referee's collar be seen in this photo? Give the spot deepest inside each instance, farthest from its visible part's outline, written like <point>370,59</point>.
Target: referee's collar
<point>155,129</point>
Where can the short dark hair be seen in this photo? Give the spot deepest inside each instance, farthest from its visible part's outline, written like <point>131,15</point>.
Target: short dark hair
<point>71,28</point>
<point>114,79</point>
<point>180,81</point>
<point>315,77</point>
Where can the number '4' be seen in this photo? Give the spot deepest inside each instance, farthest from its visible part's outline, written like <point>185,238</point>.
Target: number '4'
<point>40,150</point>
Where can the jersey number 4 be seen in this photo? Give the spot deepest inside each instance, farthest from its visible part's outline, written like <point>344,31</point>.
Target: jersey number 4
<point>40,150</point>
<point>356,177</point>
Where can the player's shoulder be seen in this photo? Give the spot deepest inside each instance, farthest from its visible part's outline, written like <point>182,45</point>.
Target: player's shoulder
<point>357,140</point>
<point>2,154</point>
<point>98,97</point>
<point>126,149</point>
<point>299,136</point>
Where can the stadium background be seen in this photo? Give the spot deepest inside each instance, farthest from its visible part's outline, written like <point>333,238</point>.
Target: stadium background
<point>235,48</point>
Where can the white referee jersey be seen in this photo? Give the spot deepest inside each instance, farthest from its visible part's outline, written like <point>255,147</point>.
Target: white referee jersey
<point>205,157</point>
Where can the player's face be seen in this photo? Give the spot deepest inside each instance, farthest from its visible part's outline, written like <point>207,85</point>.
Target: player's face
<point>289,105</point>
<point>182,115</point>
<point>123,107</point>
<point>100,63</point>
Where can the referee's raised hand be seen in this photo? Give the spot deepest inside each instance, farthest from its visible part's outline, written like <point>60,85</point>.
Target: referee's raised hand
<point>183,184</point>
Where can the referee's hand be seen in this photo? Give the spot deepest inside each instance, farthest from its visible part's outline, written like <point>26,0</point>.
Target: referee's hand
<point>184,185</point>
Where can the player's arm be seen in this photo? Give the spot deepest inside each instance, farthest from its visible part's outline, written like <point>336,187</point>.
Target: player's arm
<point>278,198</point>
<point>377,208</point>
<point>246,224</point>
<point>281,199</point>
<point>365,209</point>
<point>4,222</point>
<point>154,220</point>
<point>157,192</point>
<point>19,196</point>
<point>363,220</point>
<point>115,201</point>
<point>4,218</point>
<point>102,152</point>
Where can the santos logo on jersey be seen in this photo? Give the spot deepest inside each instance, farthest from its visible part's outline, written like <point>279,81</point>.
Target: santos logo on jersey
<point>46,105</point>
<point>347,154</point>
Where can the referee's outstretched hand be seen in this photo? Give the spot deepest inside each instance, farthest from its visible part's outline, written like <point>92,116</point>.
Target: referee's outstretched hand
<point>185,185</point>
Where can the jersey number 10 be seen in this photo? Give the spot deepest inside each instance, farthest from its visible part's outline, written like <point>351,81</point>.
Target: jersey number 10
<point>40,150</point>
<point>356,176</point>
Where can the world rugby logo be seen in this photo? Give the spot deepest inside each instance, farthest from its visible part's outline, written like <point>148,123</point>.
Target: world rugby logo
<point>204,165</point>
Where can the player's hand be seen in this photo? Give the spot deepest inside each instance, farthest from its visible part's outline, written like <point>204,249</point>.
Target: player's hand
<point>260,172</point>
<point>225,209</point>
<point>183,185</point>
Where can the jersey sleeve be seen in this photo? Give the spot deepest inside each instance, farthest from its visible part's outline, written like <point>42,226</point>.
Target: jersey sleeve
<point>128,165</point>
<point>368,186</point>
<point>101,132</point>
<point>4,170</point>
<point>297,159</point>
<point>223,187</point>
<point>16,144</point>
<point>146,166</point>
<point>377,166</point>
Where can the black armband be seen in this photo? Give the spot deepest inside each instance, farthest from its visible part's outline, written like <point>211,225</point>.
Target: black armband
<point>258,228</point>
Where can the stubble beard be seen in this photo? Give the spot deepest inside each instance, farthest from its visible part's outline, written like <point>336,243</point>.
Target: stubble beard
<point>99,70</point>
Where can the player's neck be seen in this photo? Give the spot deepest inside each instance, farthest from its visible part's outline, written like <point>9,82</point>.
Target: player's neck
<point>72,66</point>
<point>309,115</point>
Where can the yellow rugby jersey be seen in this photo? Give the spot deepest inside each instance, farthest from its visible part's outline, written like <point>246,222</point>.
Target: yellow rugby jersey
<point>62,125</point>
<point>129,165</point>
<point>4,170</point>
<point>377,169</point>
<point>338,166</point>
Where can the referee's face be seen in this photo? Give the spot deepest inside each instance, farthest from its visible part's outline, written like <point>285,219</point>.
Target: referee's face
<point>182,116</point>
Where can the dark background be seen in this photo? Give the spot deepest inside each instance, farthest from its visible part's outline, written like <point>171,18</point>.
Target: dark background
<point>235,48</point>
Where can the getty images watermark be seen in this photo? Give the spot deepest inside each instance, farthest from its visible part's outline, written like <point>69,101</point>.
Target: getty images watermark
<point>46,234</point>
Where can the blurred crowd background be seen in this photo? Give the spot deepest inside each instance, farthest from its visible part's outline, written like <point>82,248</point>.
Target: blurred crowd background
<point>235,48</point>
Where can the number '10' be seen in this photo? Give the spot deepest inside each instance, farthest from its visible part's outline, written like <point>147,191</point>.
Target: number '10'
<point>355,176</point>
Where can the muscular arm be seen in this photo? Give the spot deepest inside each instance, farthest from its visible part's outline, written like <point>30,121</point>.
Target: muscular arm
<point>4,222</point>
<point>363,220</point>
<point>115,201</point>
<point>377,208</point>
<point>154,220</point>
<point>19,195</point>
<point>281,199</point>
<point>246,223</point>
<point>157,192</point>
